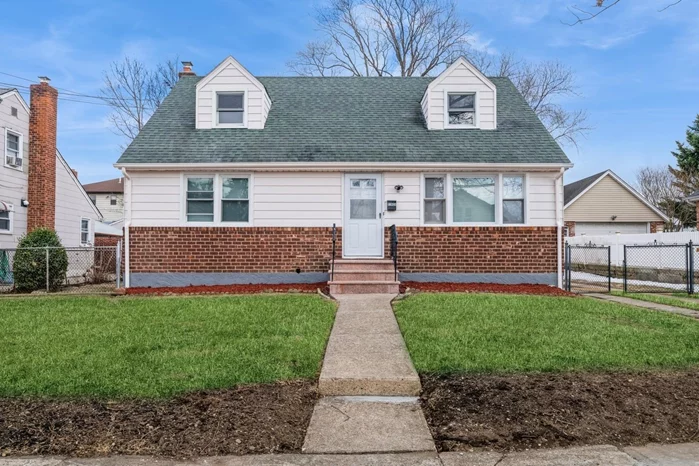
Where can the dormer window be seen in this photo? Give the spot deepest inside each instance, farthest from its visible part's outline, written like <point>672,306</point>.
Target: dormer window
<point>461,110</point>
<point>231,108</point>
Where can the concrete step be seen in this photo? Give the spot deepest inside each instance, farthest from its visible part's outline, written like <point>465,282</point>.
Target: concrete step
<point>363,276</point>
<point>342,265</point>
<point>368,425</point>
<point>363,287</point>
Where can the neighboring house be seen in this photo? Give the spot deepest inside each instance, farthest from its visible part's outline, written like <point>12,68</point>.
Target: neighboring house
<point>108,196</point>
<point>240,179</point>
<point>37,187</point>
<point>604,204</point>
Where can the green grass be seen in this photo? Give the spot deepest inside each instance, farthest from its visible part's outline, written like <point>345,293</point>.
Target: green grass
<point>103,347</point>
<point>660,299</point>
<point>481,333</point>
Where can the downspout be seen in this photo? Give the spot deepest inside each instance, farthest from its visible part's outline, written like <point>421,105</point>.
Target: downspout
<point>559,227</point>
<point>127,225</point>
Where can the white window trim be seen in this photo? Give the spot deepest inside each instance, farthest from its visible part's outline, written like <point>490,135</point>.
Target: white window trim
<point>475,108</point>
<point>10,216</point>
<point>218,185</point>
<point>7,150</point>
<point>89,232</point>
<point>214,106</point>
<point>498,199</point>
<point>525,199</point>
<point>423,191</point>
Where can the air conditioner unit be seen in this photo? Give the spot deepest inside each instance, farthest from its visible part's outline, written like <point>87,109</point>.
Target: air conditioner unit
<point>14,162</point>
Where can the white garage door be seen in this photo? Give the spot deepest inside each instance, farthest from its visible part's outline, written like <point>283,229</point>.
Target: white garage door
<point>590,229</point>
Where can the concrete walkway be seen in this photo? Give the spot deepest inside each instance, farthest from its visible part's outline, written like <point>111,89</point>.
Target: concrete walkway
<point>645,304</point>
<point>370,385</point>
<point>603,455</point>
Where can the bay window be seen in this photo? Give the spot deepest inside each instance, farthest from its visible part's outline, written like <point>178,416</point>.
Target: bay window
<point>219,199</point>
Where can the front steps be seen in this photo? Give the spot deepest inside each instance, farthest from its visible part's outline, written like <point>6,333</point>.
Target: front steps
<point>363,276</point>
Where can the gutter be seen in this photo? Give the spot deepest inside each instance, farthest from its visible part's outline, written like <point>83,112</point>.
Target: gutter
<point>559,228</point>
<point>343,166</point>
<point>127,224</point>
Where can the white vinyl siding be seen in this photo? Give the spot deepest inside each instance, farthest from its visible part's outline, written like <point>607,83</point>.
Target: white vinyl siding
<point>231,79</point>
<point>110,211</point>
<point>155,198</point>
<point>72,204</point>
<point>610,228</point>
<point>460,80</point>
<point>13,183</point>
<point>408,199</point>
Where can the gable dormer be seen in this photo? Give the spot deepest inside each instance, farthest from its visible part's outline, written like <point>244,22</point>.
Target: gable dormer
<point>461,97</point>
<point>231,97</point>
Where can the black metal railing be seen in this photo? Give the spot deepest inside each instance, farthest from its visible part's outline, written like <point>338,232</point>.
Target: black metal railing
<point>394,250</point>
<point>332,267</point>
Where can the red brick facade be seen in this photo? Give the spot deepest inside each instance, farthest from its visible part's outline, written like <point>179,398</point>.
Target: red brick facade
<point>476,249</point>
<point>106,240</point>
<point>279,249</point>
<point>42,157</point>
<point>231,249</point>
<point>657,227</point>
<point>571,228</point>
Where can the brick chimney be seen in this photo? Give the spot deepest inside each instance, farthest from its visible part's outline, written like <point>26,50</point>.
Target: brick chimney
<point>42,155</point>
<point>187,69</point>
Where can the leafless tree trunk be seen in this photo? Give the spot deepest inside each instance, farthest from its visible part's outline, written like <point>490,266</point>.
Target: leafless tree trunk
<point>384,38</point>
<point>541,84</point>
<point>660,187</point>
<point>134,92</point>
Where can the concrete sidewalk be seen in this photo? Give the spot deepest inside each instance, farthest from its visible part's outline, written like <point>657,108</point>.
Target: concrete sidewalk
<point>645,304</point>
<point>603,455</point>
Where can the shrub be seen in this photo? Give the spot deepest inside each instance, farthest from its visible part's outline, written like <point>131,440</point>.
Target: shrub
<point>29,265</point>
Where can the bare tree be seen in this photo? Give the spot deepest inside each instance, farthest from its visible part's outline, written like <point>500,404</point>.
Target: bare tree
<point>660,187</point>
<point>384,38</point>
<point>542,85</point>
<point>134,92</point>
<point>582,15</point>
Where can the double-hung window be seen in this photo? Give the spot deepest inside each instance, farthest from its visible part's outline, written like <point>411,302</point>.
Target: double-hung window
<point>473,199</point>
<point>85,231</point>
<point>513,199</point>
<point>219,199</point>
<point>200,199</point>
<point>13,150</point>
<point>461,110</point>
<point>112,200</point>
<point>235,203</point>
<point>435,199</point>
<point>6,220</point>
<point>230,108</point>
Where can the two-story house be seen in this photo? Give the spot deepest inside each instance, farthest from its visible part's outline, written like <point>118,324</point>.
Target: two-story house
<point>244,179</point>
<point>37,187</point>
<point>108,196</point>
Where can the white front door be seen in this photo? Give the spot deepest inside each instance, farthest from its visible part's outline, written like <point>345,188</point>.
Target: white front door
<point>363,226</point>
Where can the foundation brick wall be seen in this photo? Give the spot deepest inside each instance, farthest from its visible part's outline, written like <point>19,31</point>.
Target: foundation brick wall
<point>231,249</point>
<point>476,249</point>
<point>106,240</point>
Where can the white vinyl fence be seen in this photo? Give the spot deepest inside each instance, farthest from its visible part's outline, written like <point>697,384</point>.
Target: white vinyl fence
<point>655,257</point>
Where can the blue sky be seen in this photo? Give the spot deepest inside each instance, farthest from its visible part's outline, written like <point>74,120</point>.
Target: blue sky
<point>638,69</point>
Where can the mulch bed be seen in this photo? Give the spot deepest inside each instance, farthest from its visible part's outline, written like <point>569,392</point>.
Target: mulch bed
<point>269,418</point>
<point>519,412</point>
<point>433,287</point>
<point>231,289</point>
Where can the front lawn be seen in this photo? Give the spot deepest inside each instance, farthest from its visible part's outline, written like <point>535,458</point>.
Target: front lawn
<point>483,333</point>
<point>157,347</point>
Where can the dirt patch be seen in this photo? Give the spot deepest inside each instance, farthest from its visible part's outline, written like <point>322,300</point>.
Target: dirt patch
<point>269,418</point>
<point>483,288</point>
<point>559,410</point>
<point>231,289</point>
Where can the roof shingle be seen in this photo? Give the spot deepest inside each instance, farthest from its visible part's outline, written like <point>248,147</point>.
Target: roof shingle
<point>342,119</point>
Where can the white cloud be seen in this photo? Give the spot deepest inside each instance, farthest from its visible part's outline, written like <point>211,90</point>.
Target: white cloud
<point>478,43</point>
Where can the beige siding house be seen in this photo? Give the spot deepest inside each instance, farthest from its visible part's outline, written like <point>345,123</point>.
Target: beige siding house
<point>108,196</point>
<point>605,204</point>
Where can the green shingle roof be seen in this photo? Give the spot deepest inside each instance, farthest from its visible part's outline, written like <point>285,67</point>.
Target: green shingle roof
<point>342,119</point>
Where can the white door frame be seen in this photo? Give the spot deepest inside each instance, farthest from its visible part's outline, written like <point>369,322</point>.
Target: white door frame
<point>379,207</point>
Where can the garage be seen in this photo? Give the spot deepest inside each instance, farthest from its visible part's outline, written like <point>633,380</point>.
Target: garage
<point>610,228</point>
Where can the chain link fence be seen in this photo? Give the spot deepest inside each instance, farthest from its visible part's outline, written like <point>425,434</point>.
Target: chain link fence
<point>658,268</point>
<point>588,269</point>
<point>94,269</point>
